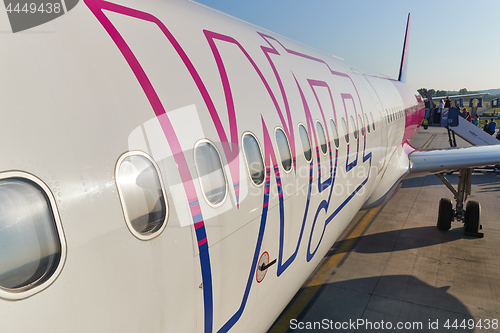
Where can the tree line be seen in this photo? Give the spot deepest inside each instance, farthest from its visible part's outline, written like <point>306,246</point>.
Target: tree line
<point>444,93</point>
<point>463,91</point>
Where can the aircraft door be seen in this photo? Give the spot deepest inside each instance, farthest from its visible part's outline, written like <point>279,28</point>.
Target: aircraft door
<point>379,119</point>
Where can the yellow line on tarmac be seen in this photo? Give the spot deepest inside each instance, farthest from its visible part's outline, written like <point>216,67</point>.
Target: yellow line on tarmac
<point>429,141</point>
<point>283,324</point>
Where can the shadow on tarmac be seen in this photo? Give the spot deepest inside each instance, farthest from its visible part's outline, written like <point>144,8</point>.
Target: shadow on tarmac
<point>402,240</point>
<point>392,299</point>
<point>407,239</point>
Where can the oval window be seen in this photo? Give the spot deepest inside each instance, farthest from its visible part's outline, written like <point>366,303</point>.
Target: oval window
<point>373,121</point>
<point>284,150</point>
<point>142,195</point>
<point>212,178</point>
<point>306,143</point>
<point>32,245</point>
<point>367,122</point>
<point>355,128</point>
<point>254,160</point>
<point>336,140</point>
<point>321,137</point>
<point>346,130</point>
<point>361,125</point>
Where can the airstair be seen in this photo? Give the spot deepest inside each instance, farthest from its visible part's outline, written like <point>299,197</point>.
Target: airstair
<point>473,134</point>
<point>457,125</point>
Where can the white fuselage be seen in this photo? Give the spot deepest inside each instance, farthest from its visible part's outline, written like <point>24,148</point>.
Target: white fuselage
<point>161,77</point>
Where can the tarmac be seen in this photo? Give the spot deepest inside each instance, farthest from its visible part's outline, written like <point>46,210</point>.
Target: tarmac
<point>392,270</point>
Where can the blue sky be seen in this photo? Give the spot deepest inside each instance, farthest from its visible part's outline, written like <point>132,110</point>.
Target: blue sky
<point>453,44</point>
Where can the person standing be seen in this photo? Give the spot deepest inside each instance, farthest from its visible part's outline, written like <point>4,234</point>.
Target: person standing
<point>447,104</point>
<point>476,120</point>
<point>463,113</point>
<point>491,127</point>
<point>467,115</point>
<point>485,126</point>
<point>437,116</point>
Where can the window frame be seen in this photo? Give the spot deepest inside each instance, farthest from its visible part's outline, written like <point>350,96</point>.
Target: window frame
<point>289,150</point>
<point>246,160</point>
<point>134,232</point>
<point>336,134</point>
<point>362,125</point>
<point>309,140</point>
<point>355,133</point>
<point>196,145</point>
<point>373,121</point>
<point>346,128</point>
<point>319,139</point>
<point>43,282</point>
<point>367,120</point>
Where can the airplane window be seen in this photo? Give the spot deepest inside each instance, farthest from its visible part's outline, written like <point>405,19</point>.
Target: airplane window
<point>367,122</point>
<point>306,143</point>
<point>284,150</point>
<point>212,178</point>
<point>321,137</point>
<point>361,124</point>
<point>355,128</point>
<point>346,130</point>
<point>336,140</point>
<point>142,195</point>
<point>254,160</point>
<point>31,240</point>
<point>373,121</point>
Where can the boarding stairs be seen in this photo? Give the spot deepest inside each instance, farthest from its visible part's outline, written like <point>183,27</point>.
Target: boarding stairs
<point>473,134</point>
<point>457,125</point>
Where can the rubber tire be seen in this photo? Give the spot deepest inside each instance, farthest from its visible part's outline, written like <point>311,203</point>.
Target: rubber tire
<point>472,217</point>
<point>445,214</point>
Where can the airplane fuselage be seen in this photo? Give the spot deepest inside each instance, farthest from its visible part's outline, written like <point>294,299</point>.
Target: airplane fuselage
<point>167,80</point>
